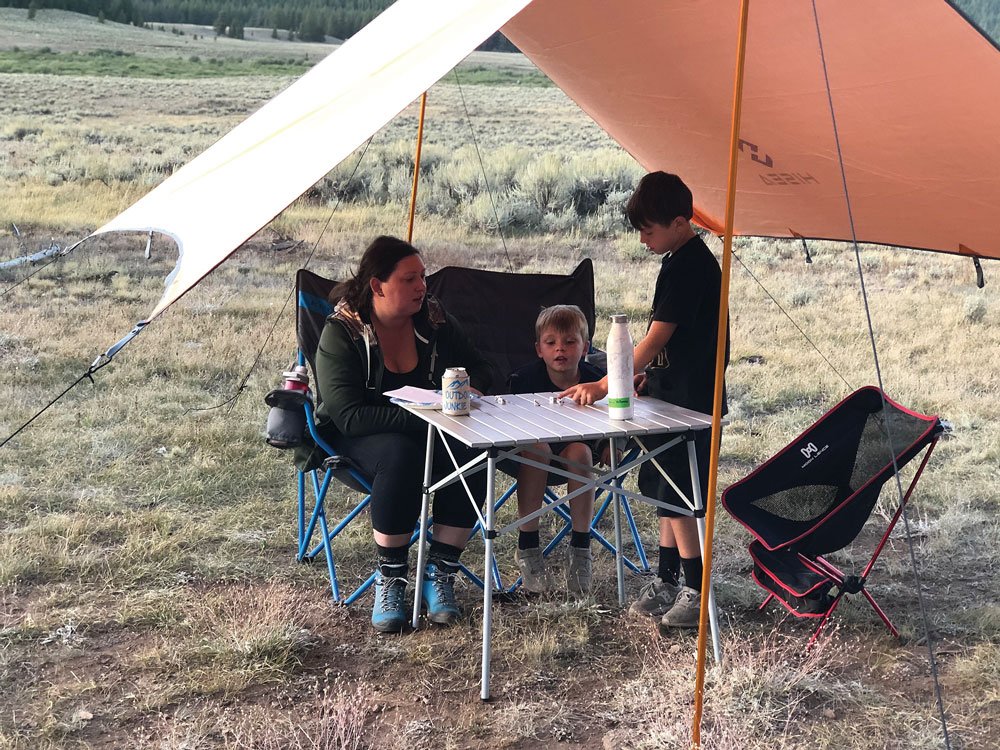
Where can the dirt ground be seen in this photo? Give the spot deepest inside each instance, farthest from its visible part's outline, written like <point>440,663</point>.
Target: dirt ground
<point>253,654</point>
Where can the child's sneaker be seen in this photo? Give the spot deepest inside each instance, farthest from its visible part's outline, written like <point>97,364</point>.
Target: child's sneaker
<point>655,599</point>
<point>389,612</point>
<point>439,592</point>
<point>685,612</point>
<point>579,574</point>
<point>535,579</point>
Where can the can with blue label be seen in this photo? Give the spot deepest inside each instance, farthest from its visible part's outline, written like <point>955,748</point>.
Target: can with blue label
<point>456,398</point>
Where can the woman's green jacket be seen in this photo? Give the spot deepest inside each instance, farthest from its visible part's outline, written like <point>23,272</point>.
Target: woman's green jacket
<point>350,367</point>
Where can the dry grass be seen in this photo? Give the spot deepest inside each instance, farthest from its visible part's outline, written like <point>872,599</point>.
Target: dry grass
<point>146,563</point>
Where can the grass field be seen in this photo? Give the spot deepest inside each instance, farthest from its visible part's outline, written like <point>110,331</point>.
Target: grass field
<point>149,596</point>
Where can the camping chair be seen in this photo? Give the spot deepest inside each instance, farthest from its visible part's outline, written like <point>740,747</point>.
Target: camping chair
<point>816,494</point>
<point>499,310</point>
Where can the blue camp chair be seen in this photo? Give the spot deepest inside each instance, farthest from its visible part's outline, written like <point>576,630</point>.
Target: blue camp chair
<point>318,463</point>
<point>474,297</point>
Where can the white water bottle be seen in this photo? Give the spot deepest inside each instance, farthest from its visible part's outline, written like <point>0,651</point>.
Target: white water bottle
<point>620,369</point>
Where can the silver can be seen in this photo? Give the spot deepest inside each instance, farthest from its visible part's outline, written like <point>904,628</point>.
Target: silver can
<point>456,398</point>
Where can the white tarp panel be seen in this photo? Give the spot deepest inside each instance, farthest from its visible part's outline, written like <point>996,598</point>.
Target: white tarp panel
<point>220,199</point>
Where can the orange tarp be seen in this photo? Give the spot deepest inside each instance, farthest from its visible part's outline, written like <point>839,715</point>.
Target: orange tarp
<point>913,87</point>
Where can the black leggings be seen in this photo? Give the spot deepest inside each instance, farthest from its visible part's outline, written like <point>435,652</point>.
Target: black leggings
<point>395,461</point>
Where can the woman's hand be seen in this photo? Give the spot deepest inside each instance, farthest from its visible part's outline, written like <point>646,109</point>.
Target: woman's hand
<point>586,393</point>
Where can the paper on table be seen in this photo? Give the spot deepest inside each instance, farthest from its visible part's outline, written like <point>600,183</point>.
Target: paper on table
<point>415,395</point>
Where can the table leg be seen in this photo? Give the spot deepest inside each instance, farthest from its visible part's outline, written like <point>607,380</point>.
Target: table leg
<point>488,534</point>
<point>619,554</point>
<point>699,504</point>
<point>418,588</point>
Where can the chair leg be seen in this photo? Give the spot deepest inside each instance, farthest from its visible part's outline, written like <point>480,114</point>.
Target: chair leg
<point>319,495</point>
<point>359,591</point>
<point>765,602</point>
<point>826,618</point>
<point>880,613</point>
<point>330,568</point>
<point>301,509</point>
<point>822,566</point>
<point>640,550</point>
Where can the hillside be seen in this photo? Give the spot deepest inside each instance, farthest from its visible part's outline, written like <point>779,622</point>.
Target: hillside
<point>64,31</point>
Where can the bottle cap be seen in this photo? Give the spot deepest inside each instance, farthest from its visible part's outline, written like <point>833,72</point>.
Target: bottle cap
<point>620,318</point>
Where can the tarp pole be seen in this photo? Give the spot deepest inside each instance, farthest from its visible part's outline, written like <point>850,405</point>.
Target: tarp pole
<point>720,364</point>
<point>416,167</point>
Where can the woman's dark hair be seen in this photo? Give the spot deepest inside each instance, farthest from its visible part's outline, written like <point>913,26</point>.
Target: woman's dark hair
<point>660,198</point>
<point>378,262</point>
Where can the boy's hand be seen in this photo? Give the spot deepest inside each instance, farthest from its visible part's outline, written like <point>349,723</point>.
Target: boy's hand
<point>586,393</point>
<point>639,383</point>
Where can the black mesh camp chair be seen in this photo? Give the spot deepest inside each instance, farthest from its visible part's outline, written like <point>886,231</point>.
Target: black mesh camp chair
<point>499,310</point>
<point>815,496</point>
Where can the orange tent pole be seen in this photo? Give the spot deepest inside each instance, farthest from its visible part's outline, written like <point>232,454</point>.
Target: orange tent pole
<point>416,167</point>
<point>720,363</point>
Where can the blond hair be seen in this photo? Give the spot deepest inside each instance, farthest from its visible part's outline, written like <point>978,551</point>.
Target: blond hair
<point>564,318</point>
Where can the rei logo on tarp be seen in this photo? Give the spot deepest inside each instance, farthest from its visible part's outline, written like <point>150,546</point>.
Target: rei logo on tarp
<point>774,178</point>
<point>810,451</point>
<point>752,149</point>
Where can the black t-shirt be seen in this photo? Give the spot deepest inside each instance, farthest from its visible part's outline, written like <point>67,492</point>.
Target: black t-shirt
<point>687,294</point>
<point>534,377</point>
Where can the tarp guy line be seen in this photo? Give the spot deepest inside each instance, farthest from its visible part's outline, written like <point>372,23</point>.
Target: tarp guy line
<point>928,636</point>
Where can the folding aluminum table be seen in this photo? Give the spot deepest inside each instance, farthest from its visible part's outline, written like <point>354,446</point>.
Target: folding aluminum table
<point>503,426</point>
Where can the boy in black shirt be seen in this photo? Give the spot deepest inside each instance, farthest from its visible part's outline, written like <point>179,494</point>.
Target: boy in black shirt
<point>675,362</point>
<point>561,340</point>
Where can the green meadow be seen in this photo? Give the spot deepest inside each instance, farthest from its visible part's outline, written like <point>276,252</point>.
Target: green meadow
<point>149,594</point>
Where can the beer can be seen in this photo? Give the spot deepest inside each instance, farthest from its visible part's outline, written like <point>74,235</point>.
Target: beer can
<point>456,398</point>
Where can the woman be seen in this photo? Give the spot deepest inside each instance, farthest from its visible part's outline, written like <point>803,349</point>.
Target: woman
<point>384,333</point>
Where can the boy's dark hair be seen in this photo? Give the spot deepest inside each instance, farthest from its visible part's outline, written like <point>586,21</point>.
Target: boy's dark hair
<point>660,198</point>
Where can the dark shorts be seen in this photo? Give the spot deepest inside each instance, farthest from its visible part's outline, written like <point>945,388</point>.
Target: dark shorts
<point>675,463</point>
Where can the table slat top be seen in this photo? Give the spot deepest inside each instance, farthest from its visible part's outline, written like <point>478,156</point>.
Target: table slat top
<point>514,420</point>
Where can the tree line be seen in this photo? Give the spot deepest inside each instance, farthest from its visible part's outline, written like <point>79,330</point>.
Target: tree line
<point>307,20</point>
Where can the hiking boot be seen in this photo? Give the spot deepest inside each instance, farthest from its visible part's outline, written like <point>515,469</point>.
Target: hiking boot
<point>685,612</point>
<point>389,612</point>
<point>535,579</point>
<point>655,598</point>
<point>579,574</point>
<point>439,592</point>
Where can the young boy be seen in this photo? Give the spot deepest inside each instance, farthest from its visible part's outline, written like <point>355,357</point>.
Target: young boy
<point>675,362</point>
<point>561,340</point>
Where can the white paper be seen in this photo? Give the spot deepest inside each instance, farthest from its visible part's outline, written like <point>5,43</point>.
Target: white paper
<point>415,395</point>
